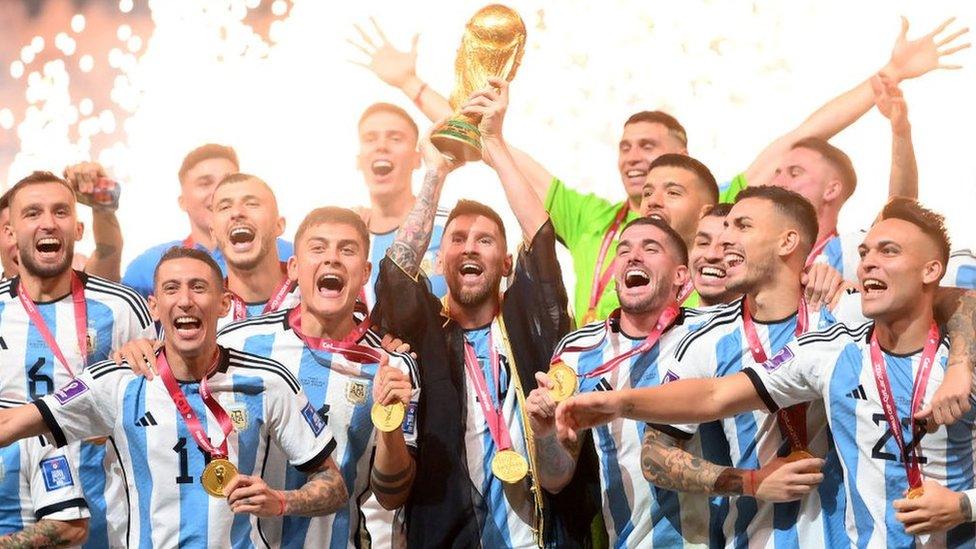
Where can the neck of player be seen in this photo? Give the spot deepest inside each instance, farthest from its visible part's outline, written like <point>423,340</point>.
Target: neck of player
<point>387,211</point>
<point>201,237</point>
<point>470,317</point>
<point>193,367</point>
<point>777,298</point>
<point>46,289</point>
<point>827,221</point>
<point>332,326</point>
<point>641,324</point>
<point>256,285</point>
<point>905,333</point>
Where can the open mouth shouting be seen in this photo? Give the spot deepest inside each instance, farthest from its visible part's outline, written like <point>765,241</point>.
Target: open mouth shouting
<point>733,260</point>
<point>187,326</point>
<point>330,285</point>
<point>873,286</point>
<point>711,272</point>
<point>636,278</point>
<point>48,247</point>
<point>636,175</point>
<point>241,237</point>
<point>470,271</point>
<point>381,167</point>
<point>659,215</point>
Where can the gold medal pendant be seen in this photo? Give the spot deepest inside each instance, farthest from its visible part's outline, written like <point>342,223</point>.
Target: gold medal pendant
<point>388,418</point>
<point>509,466</point>
<point>564,382</point>
<point>797,455</point>
<point>216,476</point>
<point>915,492</point>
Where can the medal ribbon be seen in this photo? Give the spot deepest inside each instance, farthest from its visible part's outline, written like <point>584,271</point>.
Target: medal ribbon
<point>188,242</point>
<point>347,346</point>
<point>186,411</point>
<point>277,298</point>
<point>493,416</point>
<point>792,419</point>
<point>818,248</point>
<point>912,468</point>
<point>600,281</point>
<point>81,320</point>
<point>664,321</point>
<point>685,291</point>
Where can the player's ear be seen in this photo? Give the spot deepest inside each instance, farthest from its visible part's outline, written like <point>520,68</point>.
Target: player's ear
<point>932,271</point>
<point>153,307</point>
<point>507,267</point>
<point>681,276</point>
<point>789,241</point>
<point>833,190</point>
<point>225,302</point>
<point>292,268</point>
<point>79,230</point>
<point>280,226</point>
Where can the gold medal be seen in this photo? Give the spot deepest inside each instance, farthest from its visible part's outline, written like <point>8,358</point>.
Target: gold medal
<point>915,492</point>
<point>388,418</point>
<point>509,466</point>
<point>797,455</point>
<point>216,476</point>
<point>564,383</point>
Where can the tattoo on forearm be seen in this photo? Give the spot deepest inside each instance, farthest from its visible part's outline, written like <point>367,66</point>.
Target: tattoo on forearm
<point>42,534</point>
<point>962,329</point>
<point>392,484</point>
<point>555,460</point>
<point>667,465</point>
<point>323,493</point>
<point>965,508</point>
<point>413,236</point>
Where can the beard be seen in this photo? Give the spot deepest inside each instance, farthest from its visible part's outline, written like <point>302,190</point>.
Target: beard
<point>658,293</point>
<point>757,271</point>
<point>474,296</point>
<point>47,270</point>
<point>250,263</point>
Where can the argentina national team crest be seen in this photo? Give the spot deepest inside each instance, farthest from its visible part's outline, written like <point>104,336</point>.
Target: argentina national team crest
<point>238,416</point>
<point>356,392</point>
<point>91,337</point>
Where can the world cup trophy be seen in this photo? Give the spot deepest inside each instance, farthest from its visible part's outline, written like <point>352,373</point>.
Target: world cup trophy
<point>492,46</point>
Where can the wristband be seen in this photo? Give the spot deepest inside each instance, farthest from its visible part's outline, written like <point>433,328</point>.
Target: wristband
<point>281,500</point>
<point>420,91</point>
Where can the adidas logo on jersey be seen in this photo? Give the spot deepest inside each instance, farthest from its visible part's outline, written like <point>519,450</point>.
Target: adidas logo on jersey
<point>146,420</point>
<point>858,393</point>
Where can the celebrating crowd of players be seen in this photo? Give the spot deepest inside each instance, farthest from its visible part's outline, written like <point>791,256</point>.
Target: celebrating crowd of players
<point>395,377</point>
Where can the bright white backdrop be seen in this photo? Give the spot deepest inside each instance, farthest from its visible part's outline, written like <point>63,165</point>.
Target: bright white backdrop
<point>735,73</point>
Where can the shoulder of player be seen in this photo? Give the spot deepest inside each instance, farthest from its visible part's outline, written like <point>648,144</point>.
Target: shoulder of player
<point>265,324</point>
<point>271,371</point>
<point>441,215</point>
<point>6,293</point>
<point>150,256</point>
<point>834,337</point>
<point>717,322</point>
<point>108,292</point>
<point>101,369</point>
<point>588,335</point>
<point>409,363</point>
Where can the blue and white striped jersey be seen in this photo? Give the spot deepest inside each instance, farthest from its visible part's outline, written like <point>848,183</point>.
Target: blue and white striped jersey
<point>834,367</point>
<point>510,508</point>
<point>29,370</point>
<point>161,463</point>
<point>342,391</point>
<point>37,481</point>
<point>380,242</point>
<point>719,348</point>
<point>636,513</point>
<point>840,252</point>
<point>961,270</point>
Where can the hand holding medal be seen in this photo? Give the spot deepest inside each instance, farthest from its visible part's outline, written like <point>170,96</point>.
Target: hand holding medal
<point>391,395</point>
<point>540,405</point>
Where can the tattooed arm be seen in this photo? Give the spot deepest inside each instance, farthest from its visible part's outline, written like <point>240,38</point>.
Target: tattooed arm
<point>666,464</point>
<point>106,260</point>
<point>393,466</point>
<point>413,236</point>
<point>952,399</point>
<point>323,493</point>
<point>48,533</point>
<point>557,463</point>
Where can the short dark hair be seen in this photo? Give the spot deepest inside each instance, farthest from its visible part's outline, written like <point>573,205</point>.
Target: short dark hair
<point>720,209</point>
<point>931,224</point>
<point>238,177</point>
<point>334,214</point>
<point>206,152</point>
<point>790,204</point>
<point>179,252</point>
<point>675,129</point>
<point>837,158</point>
<point>472,207</point>
<point>692,165</point>
<point>5,201</point>
<point>392,109</point>
<point>673,236</point>
<point>35,178</point>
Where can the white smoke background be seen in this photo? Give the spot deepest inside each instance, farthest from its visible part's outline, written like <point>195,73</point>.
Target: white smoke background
<point>737,74</point>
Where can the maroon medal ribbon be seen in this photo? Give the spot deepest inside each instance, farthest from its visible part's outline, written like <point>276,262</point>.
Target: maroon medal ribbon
<point>818,248</point>
<point>277,298</point>
<point>493,416</point>
<point>792,419</point>
<point>347,347</point>
<point>912,467</point>
<point>186,411</point>
<point>664,321</point>
<point>81,320</point>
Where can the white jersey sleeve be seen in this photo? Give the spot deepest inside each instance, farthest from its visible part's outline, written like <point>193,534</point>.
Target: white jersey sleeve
<point>87,406</point>
<point>406,364</point>
<point>298,429</point>
<point>55,486</point>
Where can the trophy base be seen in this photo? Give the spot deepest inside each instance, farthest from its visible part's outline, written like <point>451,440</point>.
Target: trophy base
<point>458,139</point>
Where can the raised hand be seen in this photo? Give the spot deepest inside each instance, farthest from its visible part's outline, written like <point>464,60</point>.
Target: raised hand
<point>913,58</point>
<point>890,102</point>
<point>541,408</point>
<point>390,384</point>
<point>393,66</point>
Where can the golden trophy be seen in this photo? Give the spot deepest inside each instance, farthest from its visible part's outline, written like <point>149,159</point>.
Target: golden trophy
<point>492,46</point>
